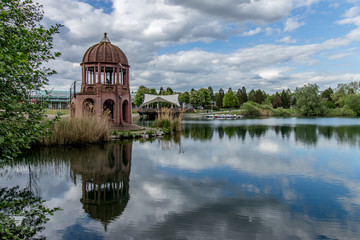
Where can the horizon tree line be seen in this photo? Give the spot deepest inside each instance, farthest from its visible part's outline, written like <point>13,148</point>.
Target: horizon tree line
<point>307,95</point>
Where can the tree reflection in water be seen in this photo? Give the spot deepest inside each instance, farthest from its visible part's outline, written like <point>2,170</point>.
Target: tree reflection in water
<point>306,134</point>
<point>104,170</point>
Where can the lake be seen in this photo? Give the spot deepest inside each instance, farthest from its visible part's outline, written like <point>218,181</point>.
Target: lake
<point>273,178</point>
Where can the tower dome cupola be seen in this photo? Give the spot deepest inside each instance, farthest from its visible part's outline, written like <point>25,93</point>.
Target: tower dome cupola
<point>105,52</point>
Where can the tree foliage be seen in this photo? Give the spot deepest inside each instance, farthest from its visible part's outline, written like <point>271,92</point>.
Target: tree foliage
<point>184,97</point>
<point>211,93</point>
<point>24,46</point>
<point>230,100</point>
<point>242,96</point>
<point>219,98</point>
<point>353,102</point>
<point>140,95</point>
<point>196,98</point>
<point>286,98</point>
<point>207,96</point>
<point>277,102</point>
<point>22,215</point>
<point>308,100</point>
<point>342,90</point>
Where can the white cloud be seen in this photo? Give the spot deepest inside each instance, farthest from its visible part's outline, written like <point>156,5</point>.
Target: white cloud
<point>292,24</point>
<point>287,40</point>
<point>253,32</point>
<point>340,55</point>
<point>142,28</point>
<point>352,12</point>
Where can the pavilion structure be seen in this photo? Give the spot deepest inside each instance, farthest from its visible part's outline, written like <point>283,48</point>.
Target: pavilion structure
<point>105,87</point>
<point>148,110</point>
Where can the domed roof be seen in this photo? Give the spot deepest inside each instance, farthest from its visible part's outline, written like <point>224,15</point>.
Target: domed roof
<point>105,52</point>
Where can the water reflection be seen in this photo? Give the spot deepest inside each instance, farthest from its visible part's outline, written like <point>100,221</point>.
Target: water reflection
<point>307,134</point>
<point>218,180</point>
<point>105,180</point>
<point>104,172</point>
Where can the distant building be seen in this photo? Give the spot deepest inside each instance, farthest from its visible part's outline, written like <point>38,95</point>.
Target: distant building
<point>55,99</point>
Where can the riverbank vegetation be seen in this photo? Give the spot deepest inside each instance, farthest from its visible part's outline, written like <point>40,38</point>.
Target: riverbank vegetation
<point>88,129</point>
<point>307,100</point>
<point>168,121</point>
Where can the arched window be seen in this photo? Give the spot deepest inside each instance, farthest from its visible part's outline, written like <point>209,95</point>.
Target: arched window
<point>88,107</point>
<point>109,108</point>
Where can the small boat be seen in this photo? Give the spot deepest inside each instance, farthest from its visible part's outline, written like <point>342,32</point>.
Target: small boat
<point>210,116</point>
<point>230,116</point>
<point>222,116</point>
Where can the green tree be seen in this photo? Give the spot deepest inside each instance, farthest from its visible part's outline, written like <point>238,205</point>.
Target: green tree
<point>207,96</point>
<point>326,94</point>
<point>211,93</point>
<point>219,98</point>
<point>252,96</point>
<point>162,91</point>
<point>184,97</point>
<point>341,92</point>
<point>152,91</point>
<point>276,102</point>
<point>230,100</point>
<point>24,46</point>
<point>169,91</point>
<point>308,100</point>
<point>196,98</point>
<point>140,95</point>
<point>286,98</point>
<point>242,96</point>
<point>260,96</point>
<point>353,102</point>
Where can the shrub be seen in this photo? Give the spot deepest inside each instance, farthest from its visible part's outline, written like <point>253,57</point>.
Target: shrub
<point>341,112</point>
<point>251,109</point>
<point>280,112</point>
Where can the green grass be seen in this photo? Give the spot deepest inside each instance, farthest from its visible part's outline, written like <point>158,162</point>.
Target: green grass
<point>55,111</point>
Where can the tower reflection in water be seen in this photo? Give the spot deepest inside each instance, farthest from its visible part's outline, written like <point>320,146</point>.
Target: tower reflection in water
<point>105,180</point>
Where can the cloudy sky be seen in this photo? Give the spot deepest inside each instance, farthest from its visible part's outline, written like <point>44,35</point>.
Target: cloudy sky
<point>184,44</point>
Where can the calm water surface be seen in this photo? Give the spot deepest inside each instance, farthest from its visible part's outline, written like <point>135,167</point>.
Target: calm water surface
<point>287,178</point>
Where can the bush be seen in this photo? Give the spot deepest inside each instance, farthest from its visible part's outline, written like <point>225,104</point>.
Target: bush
<point>341,112</point>
<point>251,109</point>
<point>280,112</point>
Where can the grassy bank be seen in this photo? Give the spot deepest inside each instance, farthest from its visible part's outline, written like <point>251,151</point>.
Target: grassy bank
<point>251,109</point>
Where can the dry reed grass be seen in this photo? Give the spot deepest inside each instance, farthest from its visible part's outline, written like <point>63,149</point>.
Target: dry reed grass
<point>82,130</point>
<point>169,119</point>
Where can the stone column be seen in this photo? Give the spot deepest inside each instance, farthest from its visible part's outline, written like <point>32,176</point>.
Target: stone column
<point>99,73</point>
<point>117,75</point>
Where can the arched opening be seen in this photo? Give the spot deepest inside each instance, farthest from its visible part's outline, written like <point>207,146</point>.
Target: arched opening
<point>109,108</point>
<point>88,107</point>
<point>125,109</point>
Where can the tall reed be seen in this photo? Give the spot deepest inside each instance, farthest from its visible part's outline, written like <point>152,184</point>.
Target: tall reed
<point>88,129</point>
<point>169,120</point>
